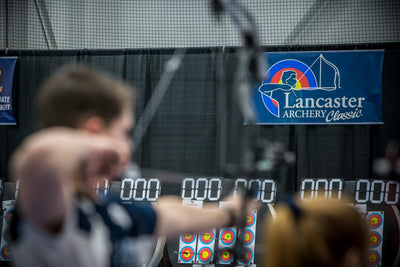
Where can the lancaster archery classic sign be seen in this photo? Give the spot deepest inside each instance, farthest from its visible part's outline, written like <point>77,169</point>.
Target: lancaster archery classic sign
<point>330,87</point>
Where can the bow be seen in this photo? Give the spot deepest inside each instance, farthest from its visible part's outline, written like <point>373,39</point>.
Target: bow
<point>250,70</point>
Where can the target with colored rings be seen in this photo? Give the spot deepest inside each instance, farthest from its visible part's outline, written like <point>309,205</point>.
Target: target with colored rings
<point>375,239</point>
<point>225,255</point>
<point>186,254</point>
<point>205,255</point>
<point>248,257</point>
<point>227,236</point>
<point>188,238</point>
<point>207,237</point>
<point>5,252</point>
<point>374,258</point>
<point>6,235</point>
<point>250,219</point>
<point>374,220</point>
<point>248,237</point>
<point>8,216</point>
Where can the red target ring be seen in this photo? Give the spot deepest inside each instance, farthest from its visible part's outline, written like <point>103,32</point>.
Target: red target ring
<point>207,237</point>
<point>374,220</point>
<point>374,258</point>
<point>225,255</point>
<point>250,219</point>
<point>248,237</point>
<point>227,237</point>
<point>187,239</point>
<point>186,254</point>
<point>205,255</point>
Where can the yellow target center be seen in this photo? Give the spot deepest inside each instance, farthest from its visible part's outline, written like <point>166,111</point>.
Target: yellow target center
<point>372,258</point>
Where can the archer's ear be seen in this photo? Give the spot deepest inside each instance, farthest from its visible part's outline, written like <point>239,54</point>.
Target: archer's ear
<point>93,125</point>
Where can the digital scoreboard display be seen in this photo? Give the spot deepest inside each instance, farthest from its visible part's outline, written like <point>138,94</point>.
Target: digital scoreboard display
<point>202,189</point>
<point>377,200</point>
<point>362,191</point>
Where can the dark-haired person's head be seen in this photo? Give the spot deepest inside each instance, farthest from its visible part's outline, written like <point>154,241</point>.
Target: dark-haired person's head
<point>79,97</point>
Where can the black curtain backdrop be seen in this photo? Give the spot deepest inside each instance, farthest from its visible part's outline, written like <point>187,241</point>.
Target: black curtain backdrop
<point>198,127</point>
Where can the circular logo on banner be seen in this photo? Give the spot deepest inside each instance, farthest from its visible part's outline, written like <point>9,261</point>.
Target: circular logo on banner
<point>250,219</point>
<point>248,237</point>
<point>8,216</point>
<point>5,253</point>
<point>207,238</point>
<point>375,239</point>
<point>204,255</point>
<point>186,254</point>
<point>225,255</point>
<point>374,258</point>
<point>248,257</point>
<point>374,220</point>
<point>305,78</point>
<point>289,74</point>
<point>187,238</point>
<point>227,236</point>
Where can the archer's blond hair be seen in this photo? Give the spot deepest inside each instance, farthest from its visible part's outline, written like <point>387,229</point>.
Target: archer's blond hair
<point>320,236</point>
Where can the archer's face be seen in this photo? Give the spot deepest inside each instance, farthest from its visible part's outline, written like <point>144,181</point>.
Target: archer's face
<point>121,128</point>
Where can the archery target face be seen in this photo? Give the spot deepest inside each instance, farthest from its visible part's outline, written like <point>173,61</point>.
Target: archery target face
<point>227,236</point>
<point>186,254</point>
<point>207,237</point>
<point>250,220</point>
<point>187,239</point>
<point>5,252</point>
<point>374,258</point>
<point>248,257</point>
<point>375,239</point>
<point>225,256</point>
<point>248,237</point>
<point>205,255</point>
<point>374,220</point>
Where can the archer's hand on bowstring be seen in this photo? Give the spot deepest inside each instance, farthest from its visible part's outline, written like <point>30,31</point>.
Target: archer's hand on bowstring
<point>55,164</point>
<point>236,204</point>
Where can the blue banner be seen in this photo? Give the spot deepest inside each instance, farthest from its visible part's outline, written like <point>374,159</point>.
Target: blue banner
<point>7,66</point>
<point>330,87</point>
